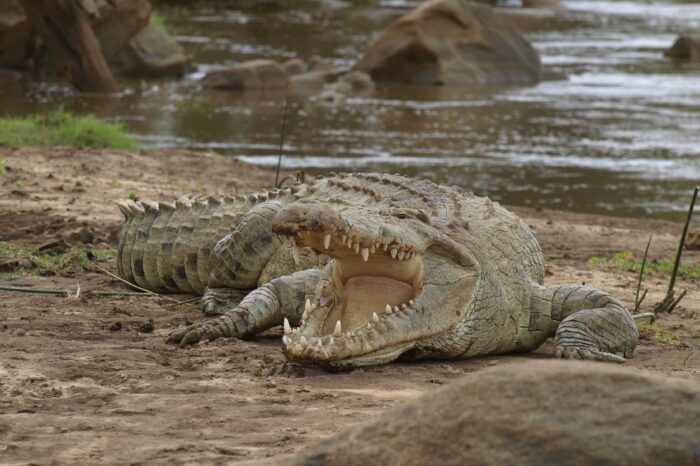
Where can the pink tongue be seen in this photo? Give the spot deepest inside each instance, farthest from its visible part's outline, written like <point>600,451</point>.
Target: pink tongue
<point>364,295</point>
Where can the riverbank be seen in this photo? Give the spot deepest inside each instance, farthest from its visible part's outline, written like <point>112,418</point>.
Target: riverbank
<point>88,379</point>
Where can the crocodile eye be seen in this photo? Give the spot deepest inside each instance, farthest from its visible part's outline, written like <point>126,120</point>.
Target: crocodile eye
<point>409,214</point>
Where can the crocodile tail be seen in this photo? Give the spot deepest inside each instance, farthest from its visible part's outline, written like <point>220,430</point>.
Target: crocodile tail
<point>166,247</point>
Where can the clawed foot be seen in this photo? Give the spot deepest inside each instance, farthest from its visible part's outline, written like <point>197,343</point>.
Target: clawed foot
<point>216,301</point>
<point>590,354</point>
<point>192,334</point>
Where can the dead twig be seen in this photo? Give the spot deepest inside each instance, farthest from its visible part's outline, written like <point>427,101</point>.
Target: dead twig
<point>19,289</point>
<point>105,271</point>
<point>637,301</point>
<point>670,301</point>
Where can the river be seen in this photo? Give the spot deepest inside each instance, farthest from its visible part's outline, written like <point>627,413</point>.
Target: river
<point>620,135</point>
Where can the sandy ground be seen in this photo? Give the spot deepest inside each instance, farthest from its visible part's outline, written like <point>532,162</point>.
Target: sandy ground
<point>82,383</point>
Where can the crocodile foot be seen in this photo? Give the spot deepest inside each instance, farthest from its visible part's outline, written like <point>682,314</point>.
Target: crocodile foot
<point>193,334</point>
<point>582,352</point>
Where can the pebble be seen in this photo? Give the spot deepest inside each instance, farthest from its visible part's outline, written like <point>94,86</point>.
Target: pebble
<point>20,332</point>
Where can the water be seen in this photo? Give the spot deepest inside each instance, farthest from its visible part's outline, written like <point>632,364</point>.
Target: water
<point>621,135</point>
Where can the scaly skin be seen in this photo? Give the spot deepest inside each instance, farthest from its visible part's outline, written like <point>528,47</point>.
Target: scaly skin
<point>416,270</point>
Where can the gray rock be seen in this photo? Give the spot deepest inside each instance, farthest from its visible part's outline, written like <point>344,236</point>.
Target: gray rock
<point>451,42</point>
<point>254,74</point>
<point>686,47</point>
<point>532,413</point>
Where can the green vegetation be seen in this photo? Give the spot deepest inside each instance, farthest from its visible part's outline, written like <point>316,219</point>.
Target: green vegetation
<point>157,20</point>
<point>20,260</point>
<point>62,128</point>
<point>659,333</point>
<point>3,168</point>
<point>626,260</point>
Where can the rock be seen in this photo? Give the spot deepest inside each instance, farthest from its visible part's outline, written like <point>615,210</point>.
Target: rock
<point>146,326</point>
<point>254,74</point>
<point>152,53</point>
<point>294,66</point>
<point>540,3</point>
<point>686,47</point>
<point>83,235</point>
<point>115,22</point>
<point>20,332</point>
<point>15,34</point>
<point>357,81</point>
<point>532,413</point>
<point>312,81</point>
<point>451,42</point>
<point>692,241</point>
<point>115,327</point>
<point>320,64</point>
<point>55,247</point>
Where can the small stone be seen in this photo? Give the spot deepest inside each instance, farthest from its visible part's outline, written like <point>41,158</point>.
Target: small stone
<point>20,332</point>
<point>146,326</point>
<point>115,327</point>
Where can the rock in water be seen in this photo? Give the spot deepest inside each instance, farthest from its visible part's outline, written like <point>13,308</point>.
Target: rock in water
<point>254,74</point>
<point>536,413</point>
<point>686,47</point>
<point>451,42</point>
<point>153,53</point>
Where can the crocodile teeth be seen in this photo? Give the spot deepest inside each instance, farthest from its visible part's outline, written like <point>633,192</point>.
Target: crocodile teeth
<point>344,238</point>
<point>296,250</point>
<point>365,254</point>
<point>401,255</point>
<point>338,329</point>
<point>403,306</point>
<point>369,326</point>
<point>303,341</point>
<point>305,315</point>
<point>356,247</point>
<point>394,251</point>
<point>286,340</point>
<point>410,302</point>
<point>307,306</point>
<point>287,327</point>
<point>385,247</point>
<point>349,243</point>
<point>319,344</point>
<point>396,308</point>
<point>375,317</point>
<point>388,309</point>
<point>327,241</point>
<point>331,340</point>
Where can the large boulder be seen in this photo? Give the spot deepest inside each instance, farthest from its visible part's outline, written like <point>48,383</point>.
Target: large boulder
<point>451,42</point>
<point>15,34</point>
<point>686,47</point>
<point>254,74</point>
<point>532,413</point>
<point>152,53</point>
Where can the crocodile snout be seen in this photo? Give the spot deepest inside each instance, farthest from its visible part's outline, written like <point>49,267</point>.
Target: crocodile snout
<point>310,217</point>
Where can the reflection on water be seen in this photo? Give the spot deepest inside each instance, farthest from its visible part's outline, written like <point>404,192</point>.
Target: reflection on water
<point>620,135</point>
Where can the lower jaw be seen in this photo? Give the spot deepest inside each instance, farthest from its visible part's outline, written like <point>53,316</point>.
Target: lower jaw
<point>380,356</point>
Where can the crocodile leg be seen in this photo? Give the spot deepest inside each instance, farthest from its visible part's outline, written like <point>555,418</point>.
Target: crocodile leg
<point>592,324</point>
<point>216,301</point>
<point>260,310</point>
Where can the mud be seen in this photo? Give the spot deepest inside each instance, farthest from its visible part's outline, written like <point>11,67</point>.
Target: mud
<point>87,379</point>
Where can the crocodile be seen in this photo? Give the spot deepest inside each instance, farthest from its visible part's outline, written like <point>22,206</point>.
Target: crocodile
<point>363,269</point>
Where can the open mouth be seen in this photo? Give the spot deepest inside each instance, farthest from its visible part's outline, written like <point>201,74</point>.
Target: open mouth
<point>365,301</point>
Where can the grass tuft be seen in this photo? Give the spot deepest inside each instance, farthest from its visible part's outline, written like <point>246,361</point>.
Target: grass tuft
<point>626,260</point>
<point>38,263</point>
<point>659,333</point>
<point>62,128</point>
